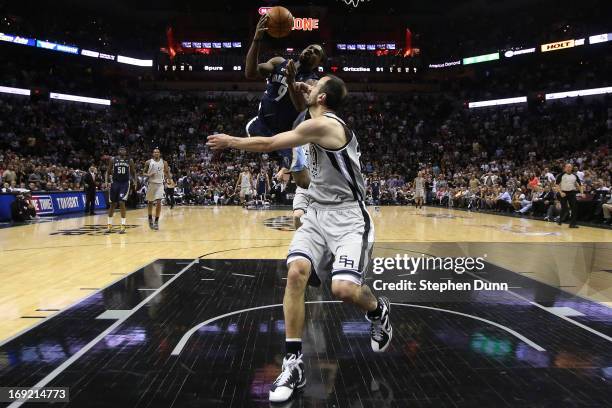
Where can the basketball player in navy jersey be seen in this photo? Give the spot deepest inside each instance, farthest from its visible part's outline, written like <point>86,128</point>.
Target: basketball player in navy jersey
<point>282,101</point>
<point>120,168</point>
<point>262,181</point>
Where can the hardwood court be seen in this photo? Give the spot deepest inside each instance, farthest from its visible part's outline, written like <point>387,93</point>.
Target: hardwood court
<point>191,315</point>
<point>50,265</point>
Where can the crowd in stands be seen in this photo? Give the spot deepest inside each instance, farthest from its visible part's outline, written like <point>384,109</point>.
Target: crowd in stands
<point>502,159</point>
<point>470,158</point>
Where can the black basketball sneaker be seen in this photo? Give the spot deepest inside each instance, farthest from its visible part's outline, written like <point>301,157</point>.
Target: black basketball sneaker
<point>291,378</point>
<point>381,331</point>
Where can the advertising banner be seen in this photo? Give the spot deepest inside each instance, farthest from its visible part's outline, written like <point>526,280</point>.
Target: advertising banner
<point>52,203</point>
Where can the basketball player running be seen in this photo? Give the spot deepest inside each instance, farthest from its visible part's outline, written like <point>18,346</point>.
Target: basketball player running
<point>336,227</point>
<point>120,169</point>
<point>419,190</point>
<point>157,170</point>
<point>282,102</point>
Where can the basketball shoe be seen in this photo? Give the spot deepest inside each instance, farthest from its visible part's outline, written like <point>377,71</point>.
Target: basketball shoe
<point>381,330</point>
<point>291,378</point>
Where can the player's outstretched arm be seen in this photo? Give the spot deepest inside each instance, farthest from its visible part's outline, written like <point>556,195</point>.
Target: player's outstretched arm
<point>252,68</point>
<point>310,131</point>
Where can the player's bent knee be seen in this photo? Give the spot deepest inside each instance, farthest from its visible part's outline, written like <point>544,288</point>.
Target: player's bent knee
<point>298,274</point>
<point>344,290</point>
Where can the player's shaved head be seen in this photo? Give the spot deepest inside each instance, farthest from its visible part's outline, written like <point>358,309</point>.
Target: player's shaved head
<point>334,90</point>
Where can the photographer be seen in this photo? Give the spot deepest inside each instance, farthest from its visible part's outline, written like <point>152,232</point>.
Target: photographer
<point>22,209</point>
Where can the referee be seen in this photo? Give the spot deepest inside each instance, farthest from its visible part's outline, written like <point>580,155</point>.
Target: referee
<point>567,186</point>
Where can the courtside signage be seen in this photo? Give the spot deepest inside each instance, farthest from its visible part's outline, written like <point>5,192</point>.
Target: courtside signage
<point>43,204</point>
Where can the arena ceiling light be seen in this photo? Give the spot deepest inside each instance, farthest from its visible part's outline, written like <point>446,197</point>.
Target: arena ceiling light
<point>581,92</point>
<point>135,61</point>
<point>76,98</point>
<point>496,102</point>
<point>14,91</point>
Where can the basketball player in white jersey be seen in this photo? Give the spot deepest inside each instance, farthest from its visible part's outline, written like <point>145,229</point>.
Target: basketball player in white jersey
<point>336,227</point>
<point>419,190</point>
<point>157,171</point>
<point>245,183</point>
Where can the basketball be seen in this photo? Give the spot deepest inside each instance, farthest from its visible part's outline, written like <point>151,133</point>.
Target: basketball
<point>280,22</point>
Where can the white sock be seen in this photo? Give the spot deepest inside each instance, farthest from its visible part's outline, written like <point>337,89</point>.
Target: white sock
<point>123,221</point>
<point>109,220</point>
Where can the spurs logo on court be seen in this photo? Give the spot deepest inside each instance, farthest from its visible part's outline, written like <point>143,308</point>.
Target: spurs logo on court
<point>280,223</point>
<point>93,229</point>
<point>347,263</point>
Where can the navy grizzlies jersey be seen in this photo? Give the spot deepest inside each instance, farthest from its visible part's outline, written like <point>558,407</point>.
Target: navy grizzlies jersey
<point>121,170</point>
<point>276,109</point>
<point>261,184</point>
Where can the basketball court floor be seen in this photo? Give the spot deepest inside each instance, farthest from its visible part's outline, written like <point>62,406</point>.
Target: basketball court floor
<point>191,315</point>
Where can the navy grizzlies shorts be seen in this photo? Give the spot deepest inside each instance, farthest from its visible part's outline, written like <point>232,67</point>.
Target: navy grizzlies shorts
<point>257,127</point>
<point>119,191</point>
